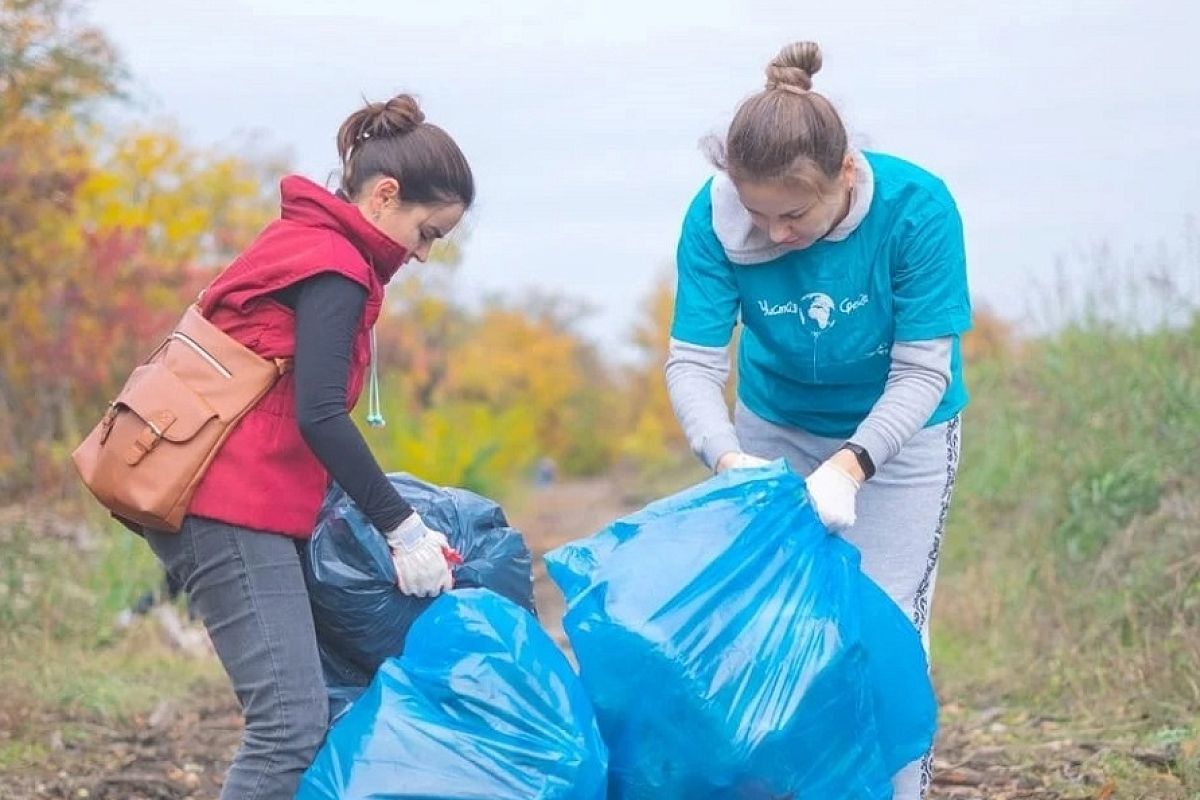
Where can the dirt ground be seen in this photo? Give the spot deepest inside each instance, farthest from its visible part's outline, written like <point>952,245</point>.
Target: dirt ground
<point>180,751</point>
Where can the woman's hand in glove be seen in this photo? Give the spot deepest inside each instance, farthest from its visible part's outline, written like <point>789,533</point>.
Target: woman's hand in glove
<point>833,489</point>
<point>736,460</point>
<point>419,555</point>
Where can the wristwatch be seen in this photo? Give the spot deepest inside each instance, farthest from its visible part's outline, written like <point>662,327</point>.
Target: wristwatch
<point>864,458</point>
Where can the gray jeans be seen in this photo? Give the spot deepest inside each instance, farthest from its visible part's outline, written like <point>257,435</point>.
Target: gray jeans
<point>248,588</point>
<point>901,519</point>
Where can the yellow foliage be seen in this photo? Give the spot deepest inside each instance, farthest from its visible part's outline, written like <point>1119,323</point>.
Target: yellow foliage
<point>469,445</point>
<point>51,60</point>
<point>654,433</point>
<point>511,360</point>
<point>193,206</point>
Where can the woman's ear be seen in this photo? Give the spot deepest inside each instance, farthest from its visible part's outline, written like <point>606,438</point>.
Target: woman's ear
<point>384,191</point>
<point>389,190</point>
<point>849,171</point>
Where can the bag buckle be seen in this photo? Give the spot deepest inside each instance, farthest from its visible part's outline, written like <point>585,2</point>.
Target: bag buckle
<point>149,438</point>
<point>107,421</point>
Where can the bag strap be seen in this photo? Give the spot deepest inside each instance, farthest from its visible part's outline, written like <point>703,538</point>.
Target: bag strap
<point>282,365</point>
<point>199,301</point>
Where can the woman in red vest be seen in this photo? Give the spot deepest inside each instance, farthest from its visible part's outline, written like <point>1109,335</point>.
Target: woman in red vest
<point>310,288</point>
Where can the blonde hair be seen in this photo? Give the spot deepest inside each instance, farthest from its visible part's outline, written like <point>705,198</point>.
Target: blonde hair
<point>786,131</point>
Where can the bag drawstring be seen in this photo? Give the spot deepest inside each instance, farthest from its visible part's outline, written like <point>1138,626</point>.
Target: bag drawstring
<point>374,406</point>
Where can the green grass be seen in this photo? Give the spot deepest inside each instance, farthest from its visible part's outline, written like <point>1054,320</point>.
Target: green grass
<point>22,753</point>
<point>113,684</point>
<point>60,656</point>
<point>1070,577</point>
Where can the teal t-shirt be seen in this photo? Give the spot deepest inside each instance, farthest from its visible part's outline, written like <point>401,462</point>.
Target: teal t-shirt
<point>819,323</point>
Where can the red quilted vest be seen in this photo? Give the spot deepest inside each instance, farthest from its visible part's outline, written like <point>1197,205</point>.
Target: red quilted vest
<point>265,477</point>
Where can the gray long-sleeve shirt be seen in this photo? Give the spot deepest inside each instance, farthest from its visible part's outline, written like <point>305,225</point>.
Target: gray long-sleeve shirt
<point>918,377</point>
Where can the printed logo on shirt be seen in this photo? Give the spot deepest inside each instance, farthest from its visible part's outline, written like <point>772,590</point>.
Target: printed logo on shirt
<point>816,310</point>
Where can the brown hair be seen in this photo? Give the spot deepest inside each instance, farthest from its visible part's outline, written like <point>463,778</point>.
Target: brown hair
<point>787,131</point>
<point>393,139</point>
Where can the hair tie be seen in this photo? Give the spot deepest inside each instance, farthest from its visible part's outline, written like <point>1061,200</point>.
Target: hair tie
<point>790,87</point>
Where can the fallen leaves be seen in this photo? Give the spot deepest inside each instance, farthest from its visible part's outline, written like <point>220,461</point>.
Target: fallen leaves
<point>1001,754</point>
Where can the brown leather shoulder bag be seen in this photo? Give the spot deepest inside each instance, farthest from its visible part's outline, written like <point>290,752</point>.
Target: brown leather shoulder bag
<point>146,456</point>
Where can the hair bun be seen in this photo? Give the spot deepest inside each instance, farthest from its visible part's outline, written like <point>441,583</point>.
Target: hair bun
<point>397,116</point>
<point>794,66</point>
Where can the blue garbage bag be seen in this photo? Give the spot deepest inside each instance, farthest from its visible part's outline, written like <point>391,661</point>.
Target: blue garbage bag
<point>733,648</point>
<point>481,706</point>
<point>361,617</point>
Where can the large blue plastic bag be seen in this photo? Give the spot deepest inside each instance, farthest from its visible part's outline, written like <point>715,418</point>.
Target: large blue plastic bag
<point>360,615</point>
<point>481,706</point>
<point>733,648</point>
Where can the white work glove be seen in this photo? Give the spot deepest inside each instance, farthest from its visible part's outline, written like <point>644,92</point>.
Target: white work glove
<point>832,492</point>
<point>735,460</point>
<point>419,556</point>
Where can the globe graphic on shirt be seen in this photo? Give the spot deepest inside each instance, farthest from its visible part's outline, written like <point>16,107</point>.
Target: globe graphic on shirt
<point>819,309</point>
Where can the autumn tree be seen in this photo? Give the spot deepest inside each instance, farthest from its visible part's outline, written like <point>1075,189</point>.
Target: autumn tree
<point>653,433</point>
<point>103,237</point>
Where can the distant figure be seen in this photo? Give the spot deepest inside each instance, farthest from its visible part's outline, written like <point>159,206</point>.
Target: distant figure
<point>310,288</point>
<point>847,272</point>
<point>545,472</point>
<point>166,592</point>
<point>159,603</point>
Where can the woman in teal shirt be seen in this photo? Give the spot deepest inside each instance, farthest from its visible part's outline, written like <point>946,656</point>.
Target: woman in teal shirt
<point>847,272</point>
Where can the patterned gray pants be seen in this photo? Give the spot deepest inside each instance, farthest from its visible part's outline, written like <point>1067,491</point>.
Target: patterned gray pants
<point>901,518</point>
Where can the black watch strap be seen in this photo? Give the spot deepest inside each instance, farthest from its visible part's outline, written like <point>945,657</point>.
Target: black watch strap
<point>864,458</point>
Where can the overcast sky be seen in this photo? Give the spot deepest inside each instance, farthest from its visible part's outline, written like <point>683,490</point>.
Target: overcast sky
<point>1056,125</point>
